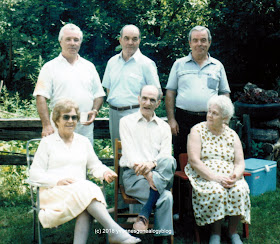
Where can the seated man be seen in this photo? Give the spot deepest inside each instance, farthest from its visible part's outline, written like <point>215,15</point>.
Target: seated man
<point>148,164</point>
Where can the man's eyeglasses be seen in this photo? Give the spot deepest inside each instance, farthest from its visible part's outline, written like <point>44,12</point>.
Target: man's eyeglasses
<point>66,117</point>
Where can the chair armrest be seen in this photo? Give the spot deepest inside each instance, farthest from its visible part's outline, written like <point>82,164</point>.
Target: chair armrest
<point>35,184</point>
<point>181,175</point>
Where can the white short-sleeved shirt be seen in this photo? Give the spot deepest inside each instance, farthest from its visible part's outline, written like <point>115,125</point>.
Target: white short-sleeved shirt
<point>125,79</point>
<point>79,82</point>
<point>195,85</point>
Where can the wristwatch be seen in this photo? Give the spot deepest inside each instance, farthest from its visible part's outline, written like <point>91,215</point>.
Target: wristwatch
<point>155,163</point>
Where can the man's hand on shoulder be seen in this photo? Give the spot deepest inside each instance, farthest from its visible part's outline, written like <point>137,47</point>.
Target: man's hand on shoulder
<point>47,130</point>
<point>143,168</point>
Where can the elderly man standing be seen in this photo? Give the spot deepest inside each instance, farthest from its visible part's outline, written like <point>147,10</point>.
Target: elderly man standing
<point>69,76</point>
<point>148,163</point>
<point>124,76</point>
<point>193,80</point>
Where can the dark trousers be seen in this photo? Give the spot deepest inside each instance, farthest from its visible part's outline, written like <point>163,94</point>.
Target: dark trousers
<point>186,120</point>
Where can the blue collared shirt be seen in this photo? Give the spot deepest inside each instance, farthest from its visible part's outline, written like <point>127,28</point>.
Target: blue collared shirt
<point>195,85</point>
<point>125,79</point>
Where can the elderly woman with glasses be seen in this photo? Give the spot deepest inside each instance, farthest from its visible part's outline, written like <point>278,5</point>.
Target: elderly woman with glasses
<point>60,165</point>
<point>215,169</point>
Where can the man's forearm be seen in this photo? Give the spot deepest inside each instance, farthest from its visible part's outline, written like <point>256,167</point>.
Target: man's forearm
<point>170,104</point>
<point>43,110</point>
<point>97,103</point>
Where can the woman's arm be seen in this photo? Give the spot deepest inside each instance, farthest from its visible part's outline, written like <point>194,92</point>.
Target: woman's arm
<point>239,163</point>
<point>39,169</point>
<point>96,168</point>
<point>194,155</point>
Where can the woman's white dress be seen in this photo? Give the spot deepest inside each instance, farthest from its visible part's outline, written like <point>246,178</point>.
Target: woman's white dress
<point>55,161</point>
<point>211,201</point>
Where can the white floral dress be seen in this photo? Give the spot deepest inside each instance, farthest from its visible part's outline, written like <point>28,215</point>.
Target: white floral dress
<point>211,201</point>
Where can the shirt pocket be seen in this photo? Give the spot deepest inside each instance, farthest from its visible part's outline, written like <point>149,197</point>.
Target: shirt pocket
<point>135,82</point>
<point>133,76</point>
<point>212,80</point>
<point>212,83</point>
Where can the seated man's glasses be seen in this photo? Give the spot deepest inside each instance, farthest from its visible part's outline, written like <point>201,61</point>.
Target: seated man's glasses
<point>66,117</point>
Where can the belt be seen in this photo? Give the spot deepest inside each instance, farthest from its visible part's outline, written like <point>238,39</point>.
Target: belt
<point>124,108</point>
<point>192,113</point>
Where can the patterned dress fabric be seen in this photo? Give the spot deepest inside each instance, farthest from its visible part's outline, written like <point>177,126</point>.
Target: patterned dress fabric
<point>211,201</point>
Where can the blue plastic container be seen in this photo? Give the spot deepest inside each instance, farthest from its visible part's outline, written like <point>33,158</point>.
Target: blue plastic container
<point>263,176</point>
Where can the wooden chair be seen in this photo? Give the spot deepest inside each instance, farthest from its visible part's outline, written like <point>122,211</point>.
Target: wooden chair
<point>183,159</point>
<point>119,190</point>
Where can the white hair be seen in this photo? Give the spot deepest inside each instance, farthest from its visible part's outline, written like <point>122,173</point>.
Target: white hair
<point>70,27</point>
<point>225,104</point>
<point>200,28</point>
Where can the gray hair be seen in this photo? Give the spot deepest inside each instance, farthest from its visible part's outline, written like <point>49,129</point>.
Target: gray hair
<point>159,96</point>
<point>121,32</point>
<point>70,27</point>
<point>225,104</point>
<point>200,28</point>
<point>64,105</point>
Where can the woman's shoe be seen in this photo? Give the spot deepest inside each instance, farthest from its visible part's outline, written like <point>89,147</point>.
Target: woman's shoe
<point>215,239</point>
<point>235,239</point>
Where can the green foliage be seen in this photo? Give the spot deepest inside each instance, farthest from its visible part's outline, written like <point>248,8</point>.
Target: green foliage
<point>13,188</point>
<point>29,30</point>
<point>245,37</point>
<point>11,105</point>
<point>103,148</point>
<point>12,178</point>
<point>257,150</point>
<point>104,111</point>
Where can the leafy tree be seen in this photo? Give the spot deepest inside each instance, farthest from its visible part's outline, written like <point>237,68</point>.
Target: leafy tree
<point>245,35</point>
<point>245,38</point>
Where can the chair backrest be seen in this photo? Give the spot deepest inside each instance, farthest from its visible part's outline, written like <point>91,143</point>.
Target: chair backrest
<point>29,158</point>
<point>117,155</point>
<point>183,160</point>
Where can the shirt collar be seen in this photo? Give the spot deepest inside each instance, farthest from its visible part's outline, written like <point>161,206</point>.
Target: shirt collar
<point>209,60</point>
<point>58,138</point>
<point>135,56</point>
<point>140,117</point>
<point>65,60</point>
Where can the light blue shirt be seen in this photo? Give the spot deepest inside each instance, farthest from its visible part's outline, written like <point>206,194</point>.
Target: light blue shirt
<point>125,79</point>
<point>195,85</point>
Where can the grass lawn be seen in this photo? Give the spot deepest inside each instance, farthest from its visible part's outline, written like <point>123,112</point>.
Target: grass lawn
<point>16,224</point>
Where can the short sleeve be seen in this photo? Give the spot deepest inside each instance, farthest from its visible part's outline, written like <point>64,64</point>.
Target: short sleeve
<point>172,83</point>
<point>44,82</point>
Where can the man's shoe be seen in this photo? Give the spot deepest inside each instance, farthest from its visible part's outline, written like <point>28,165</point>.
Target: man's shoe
<point>176,216</point>
<point>131,220</point>
<point>141,224</point>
